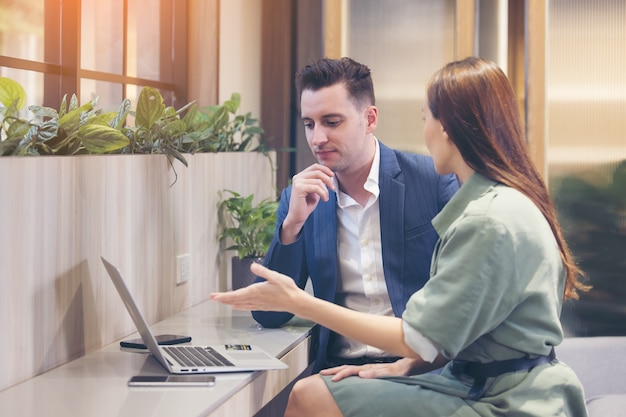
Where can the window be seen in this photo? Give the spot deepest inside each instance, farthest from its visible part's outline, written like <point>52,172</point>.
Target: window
<point>90,48</point>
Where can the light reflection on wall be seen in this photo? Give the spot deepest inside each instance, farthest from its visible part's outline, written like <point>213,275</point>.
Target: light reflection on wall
<point>403,42</point>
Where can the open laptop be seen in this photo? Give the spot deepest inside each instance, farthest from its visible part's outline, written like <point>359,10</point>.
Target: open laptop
<point>189,359</point>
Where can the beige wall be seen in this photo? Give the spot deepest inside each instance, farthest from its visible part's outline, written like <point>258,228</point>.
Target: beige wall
<point>232,64</point>
<point>240,53</point>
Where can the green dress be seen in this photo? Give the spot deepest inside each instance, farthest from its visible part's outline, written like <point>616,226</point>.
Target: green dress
<point>495,294</point>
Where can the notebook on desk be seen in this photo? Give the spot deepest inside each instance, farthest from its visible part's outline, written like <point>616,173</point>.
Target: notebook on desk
<point>188,359</point>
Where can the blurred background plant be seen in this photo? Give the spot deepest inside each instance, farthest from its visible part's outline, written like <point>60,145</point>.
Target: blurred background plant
<point>592,210</point>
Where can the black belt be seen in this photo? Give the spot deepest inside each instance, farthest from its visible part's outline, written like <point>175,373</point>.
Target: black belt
<point>363,360</point>
<point>481,371</point>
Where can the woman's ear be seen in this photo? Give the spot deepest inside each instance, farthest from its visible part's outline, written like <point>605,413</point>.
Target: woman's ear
<point>444,133</point>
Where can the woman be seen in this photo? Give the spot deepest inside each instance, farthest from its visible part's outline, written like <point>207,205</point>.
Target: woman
<point>499,274</point>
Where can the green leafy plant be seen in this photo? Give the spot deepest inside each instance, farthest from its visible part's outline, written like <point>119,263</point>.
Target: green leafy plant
<point>221,128</point>
<point>158,128</point>
<point>74,129</point>
<point>250,227</point>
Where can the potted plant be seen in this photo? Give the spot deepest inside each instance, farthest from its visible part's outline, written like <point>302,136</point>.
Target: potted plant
<point>249,228</point>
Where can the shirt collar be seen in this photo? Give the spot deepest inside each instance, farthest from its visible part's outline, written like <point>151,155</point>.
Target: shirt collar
<point>473,188</point>
<point>371,183</point>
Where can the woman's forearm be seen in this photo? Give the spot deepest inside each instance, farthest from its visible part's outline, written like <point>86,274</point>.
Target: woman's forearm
<point>382,332</point>
<point>280,293</point>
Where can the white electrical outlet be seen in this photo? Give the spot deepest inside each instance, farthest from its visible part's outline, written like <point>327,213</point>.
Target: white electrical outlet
<point>183,268</point>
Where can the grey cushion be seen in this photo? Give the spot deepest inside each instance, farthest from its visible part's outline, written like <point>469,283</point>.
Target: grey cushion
<point>607,406</point>
<point>599,362</point>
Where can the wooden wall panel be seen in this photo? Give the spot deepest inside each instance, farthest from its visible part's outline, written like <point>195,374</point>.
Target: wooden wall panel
<point>536,82</point>
<point>333,27</point>
<point>277,80</point>
<point>60,214</point>
<point>465,17</point>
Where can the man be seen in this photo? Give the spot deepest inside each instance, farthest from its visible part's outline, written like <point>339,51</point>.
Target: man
<point>357,222</point>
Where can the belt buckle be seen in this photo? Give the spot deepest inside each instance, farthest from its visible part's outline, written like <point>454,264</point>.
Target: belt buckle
<point>458,367</point>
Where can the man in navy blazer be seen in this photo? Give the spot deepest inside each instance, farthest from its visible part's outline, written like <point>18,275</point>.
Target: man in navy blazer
<point>358,222</point>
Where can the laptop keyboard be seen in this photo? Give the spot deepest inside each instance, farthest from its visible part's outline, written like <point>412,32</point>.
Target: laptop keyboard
<point>197,356</point>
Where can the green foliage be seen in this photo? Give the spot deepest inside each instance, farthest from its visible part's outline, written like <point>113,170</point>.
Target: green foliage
<point>249,227</point>
<point>74,129</point>
<point>221,129</point>
<point>592,212</point>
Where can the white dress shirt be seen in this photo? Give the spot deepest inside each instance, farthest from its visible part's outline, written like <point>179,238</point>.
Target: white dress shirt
<point>361,283</point>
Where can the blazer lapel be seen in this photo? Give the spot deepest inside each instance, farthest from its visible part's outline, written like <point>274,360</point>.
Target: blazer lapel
<point>325,229</point>
<point>391,203</point>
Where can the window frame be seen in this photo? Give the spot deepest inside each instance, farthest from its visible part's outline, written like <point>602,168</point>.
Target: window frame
<point>61,67</point>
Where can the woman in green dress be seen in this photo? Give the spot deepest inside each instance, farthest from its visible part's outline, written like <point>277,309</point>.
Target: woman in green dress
<point>499,274</point>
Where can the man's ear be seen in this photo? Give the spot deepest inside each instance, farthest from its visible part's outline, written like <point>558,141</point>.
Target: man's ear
<point>372,118</point>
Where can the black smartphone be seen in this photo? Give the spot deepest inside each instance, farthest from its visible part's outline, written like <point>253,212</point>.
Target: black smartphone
<point>162,339</point>
<point>171,381</point>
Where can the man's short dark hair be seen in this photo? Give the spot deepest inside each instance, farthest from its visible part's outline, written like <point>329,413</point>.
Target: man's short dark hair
<point>327,72</point>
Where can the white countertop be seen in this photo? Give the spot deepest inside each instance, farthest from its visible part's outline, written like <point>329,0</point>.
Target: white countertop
<point>96,384</point>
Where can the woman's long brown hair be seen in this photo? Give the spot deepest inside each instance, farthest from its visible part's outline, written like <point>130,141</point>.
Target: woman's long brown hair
<point>475,103</point>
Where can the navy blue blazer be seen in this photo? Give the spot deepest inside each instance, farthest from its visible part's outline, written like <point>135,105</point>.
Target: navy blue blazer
<point>411,194</point>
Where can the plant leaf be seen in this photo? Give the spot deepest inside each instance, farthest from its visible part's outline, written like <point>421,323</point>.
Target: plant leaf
<point>48,129</point>
<point>17,129</point>
<point>99,139</point>
<point>185,107</point>
<point>73,102</point>
<point>232,105</point>
<point>12,92</point>
<point>63,107</point>
<point>41,111</point>
<point>103,119</point>
<point>150,107</point>
<point>122,113</point>
<point>73,119</point>
<point>8,146</point>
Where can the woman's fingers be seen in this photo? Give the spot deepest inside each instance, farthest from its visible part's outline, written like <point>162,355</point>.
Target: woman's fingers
<point>271,295</point>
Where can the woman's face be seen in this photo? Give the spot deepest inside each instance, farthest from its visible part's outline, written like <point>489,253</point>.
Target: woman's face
<point>441,148</point>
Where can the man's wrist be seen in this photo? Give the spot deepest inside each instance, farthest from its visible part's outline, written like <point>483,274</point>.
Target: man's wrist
<point>289,233</point>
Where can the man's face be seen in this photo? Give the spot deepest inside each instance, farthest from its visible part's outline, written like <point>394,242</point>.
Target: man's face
<point>338,131</point>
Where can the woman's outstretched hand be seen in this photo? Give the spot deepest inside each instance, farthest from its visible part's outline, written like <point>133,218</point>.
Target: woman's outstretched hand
<point>280,293</point>
<point>277,293</point>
